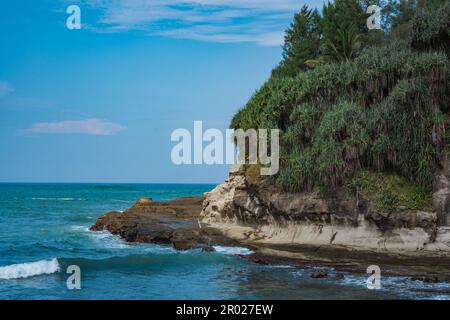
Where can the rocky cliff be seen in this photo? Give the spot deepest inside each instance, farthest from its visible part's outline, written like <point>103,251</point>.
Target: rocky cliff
<point>441,195</point>
<point>261,213</point>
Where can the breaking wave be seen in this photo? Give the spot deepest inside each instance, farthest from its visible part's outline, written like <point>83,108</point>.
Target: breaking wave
<point>233,250</point>
<point>29,269</point>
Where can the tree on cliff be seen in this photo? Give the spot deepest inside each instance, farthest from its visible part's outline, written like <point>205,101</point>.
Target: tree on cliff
<point>301,42</point>
<point>379,108</point>
<point>338,34</point>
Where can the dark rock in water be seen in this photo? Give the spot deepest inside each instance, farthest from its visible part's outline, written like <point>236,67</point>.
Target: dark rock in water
<point>426,279</point>
<point>184,245</point>
<point>257,260</point>
<point>339,276</point>
<point>186,239</point>
<point>431,280</point>
<point>170,222</point>
<point>319,274</point>
<point>208,249</point>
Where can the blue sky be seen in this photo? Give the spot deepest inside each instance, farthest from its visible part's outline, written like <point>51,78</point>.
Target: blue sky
<point>99,104</point>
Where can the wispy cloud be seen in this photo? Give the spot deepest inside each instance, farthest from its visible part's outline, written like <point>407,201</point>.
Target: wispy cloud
<point>259,21</point>
<point>5,88</point>
<point>91,126</point>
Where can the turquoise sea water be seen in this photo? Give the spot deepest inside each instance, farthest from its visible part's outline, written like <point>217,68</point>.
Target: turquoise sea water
<point>44,229</point>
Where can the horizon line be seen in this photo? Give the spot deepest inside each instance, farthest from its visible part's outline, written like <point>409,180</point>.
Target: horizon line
<point>100,182</point>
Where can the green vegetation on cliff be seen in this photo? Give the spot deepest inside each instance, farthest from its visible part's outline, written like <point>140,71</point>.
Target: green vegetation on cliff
<point>390,192</point>
<point>354,100</point>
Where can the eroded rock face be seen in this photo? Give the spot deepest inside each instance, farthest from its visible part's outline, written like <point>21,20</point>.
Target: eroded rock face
<point>237,200</point>
<point>172,222</point>
<point>441,195</point>
<point>240,202</point>
<point>271,215</point>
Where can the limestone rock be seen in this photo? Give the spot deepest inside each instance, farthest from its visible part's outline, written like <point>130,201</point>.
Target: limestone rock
<point>441,194</point>
<point>255,212</point>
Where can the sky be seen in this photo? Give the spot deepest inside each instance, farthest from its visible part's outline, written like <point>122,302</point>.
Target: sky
<point>99,104</point>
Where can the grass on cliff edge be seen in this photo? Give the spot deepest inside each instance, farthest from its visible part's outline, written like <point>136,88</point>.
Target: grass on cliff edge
<point>390,192</point>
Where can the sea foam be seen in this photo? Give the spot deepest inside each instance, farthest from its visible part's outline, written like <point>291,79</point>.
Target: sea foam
<point>233,250</point>
<point>29,269</point>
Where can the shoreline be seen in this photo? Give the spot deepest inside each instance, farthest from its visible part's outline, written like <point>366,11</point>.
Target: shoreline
<point>354,261</point>
<point>431,266</point>
<point>177,223</point>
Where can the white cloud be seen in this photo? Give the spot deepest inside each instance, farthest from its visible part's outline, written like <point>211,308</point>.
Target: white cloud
<point>91,126</point>
<point>259,21</point>
<point>5,88</point>
<point>218,34</point>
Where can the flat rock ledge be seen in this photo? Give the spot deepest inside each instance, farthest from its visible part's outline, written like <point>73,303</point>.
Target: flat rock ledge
<point>172,222</point>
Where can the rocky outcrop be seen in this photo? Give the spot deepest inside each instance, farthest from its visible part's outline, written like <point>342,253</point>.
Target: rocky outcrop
<point>172,222</point>
<point>263,214</point>
<point>320,274</point>
<point>441,196</point>
<point>300,229</point>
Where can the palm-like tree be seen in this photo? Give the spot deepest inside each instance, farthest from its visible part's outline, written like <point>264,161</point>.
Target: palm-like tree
<point>345,45</point>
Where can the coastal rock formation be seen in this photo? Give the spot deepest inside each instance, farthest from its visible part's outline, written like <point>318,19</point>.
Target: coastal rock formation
<point>172,222</point>
<point>259,213</point>
<point>285,229</point>
<point>441,196</point>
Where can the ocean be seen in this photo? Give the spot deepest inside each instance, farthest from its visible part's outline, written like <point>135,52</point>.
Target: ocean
<point>44,228</point>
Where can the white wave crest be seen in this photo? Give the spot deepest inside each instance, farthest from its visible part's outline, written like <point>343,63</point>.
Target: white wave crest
<point>123,201</point>
<point>233,250</point>
<point>80,228</point>
<point>30,269</point>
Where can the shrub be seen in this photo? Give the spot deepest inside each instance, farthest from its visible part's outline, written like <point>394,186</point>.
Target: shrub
<point>383,111</point>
